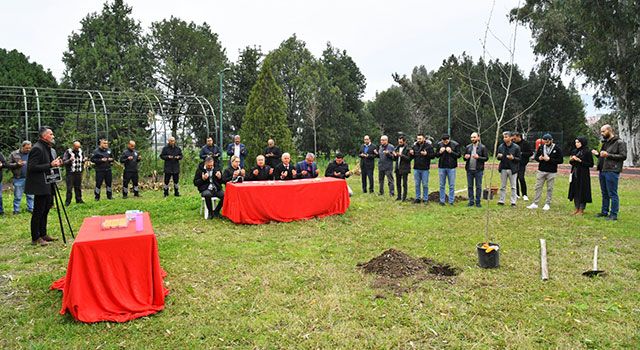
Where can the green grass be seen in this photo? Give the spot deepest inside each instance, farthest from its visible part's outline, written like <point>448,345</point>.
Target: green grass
<point>296,285</point>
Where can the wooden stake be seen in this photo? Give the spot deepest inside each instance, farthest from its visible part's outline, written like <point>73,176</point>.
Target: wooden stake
<point>543,260</point>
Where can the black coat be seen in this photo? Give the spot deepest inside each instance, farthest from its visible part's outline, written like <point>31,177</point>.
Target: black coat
<point>203,185</point>
<point>555,158</point>
<point>130,165</point>
<point>420,161</point>
<point>525,152</point>
<point>580,186</point>
<point>506,163</point>
<point>617,150</point>
<point>402,161</point>
<point>171,165</point>
<point>213,151</point>
<point>272,160</point>
<point>277,172</point>
<point>227,175</point>
<point>481,151</point>
<point>98,155</point>
<point>38,165</point>
<point>263,174</point>
<point>368,158</point>
<point>448,160</point>
<point>334,167</point>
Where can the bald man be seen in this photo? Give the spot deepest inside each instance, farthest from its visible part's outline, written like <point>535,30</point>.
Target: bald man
<point>73,160</point>
<point>103,158</point>
<point>611,157</point>
<point>130,158</point>
<point>171,154</point>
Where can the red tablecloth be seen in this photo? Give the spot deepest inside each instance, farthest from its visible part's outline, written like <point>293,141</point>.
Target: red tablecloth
<point>112,275</point>
<point>258,202</point>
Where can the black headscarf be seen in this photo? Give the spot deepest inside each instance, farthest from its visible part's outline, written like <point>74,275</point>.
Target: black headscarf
<point>584,148</point>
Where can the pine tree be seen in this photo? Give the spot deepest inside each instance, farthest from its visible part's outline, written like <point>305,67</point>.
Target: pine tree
<point>266,116</point>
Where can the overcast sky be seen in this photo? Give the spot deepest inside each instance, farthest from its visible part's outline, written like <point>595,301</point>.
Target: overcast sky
<point>383,37</point>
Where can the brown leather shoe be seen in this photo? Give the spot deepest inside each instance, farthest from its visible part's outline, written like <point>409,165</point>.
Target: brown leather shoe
<point>49,238</point>
<point>576,212</point>
<point>40,242</point>
<point>580,212</point>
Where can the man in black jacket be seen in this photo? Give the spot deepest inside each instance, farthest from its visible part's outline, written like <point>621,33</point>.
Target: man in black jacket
<point>448,151</point>
<point>402,167</point>
<point>548,156</point>
<point>73,160</point>
<point>422,153</point>
<point>102,158</point>
<point>285,170</point>
<point>260,172</point>
<point>338,168</point>
<point>272,154</point>
<point>367,163</point>
<point>171,154</point>
<point>610,161</point>
<point>475,155</point>
<point>41,161</point>
<point>130,158</point>
<point>210,150</point>
<point>207,180</point>
<point>525,154</point>
<point>509,156</point>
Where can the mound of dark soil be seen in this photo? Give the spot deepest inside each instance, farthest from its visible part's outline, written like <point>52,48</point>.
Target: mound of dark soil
<point>393,263</point>
<point>435,197</point>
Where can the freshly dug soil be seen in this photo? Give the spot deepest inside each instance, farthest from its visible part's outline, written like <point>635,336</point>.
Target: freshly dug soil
<point>401,273</point>
<point>435,197</point>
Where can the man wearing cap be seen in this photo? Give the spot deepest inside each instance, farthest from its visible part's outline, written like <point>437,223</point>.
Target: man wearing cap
<point>448,152</point>
<point>509,156</point>
<point>367,163</point>
<point>610,160</point>
<point>402,167</point>
<point>307,168</point>
<point>385,164</point>
<point>548,157</point>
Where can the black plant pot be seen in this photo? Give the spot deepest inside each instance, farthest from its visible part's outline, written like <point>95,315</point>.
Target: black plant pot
<point>489,260</point>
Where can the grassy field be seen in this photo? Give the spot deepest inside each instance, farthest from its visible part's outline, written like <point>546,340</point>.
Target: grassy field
<point>296,285</point>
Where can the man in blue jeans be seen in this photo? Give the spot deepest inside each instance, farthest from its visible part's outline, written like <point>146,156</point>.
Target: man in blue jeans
<point>475,154</point>
<point>18,165</point>
<point>610,160</point>
<point>448,151</point>
<point>422,153</point>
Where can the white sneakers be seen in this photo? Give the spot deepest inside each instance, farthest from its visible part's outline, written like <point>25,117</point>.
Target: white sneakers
<point>526,199</point>
<point>535,206</point>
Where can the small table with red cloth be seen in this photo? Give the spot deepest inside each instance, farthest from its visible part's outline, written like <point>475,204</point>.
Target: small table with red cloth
<point>114,274</point>
<point>258,202</point>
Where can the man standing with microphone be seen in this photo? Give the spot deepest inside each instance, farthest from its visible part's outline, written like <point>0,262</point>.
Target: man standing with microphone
<point>42,159</point>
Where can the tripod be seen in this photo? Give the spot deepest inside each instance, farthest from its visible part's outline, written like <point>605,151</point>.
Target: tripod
<point>58,201</point>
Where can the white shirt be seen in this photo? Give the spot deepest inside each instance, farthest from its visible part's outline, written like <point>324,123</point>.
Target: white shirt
<point>236,150</point>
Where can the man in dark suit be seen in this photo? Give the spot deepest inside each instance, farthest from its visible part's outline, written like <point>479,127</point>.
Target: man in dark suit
<point>237,149</point>
<point>272,154</point>
<point>207,180</point>
<point>260,172</point>
<point>103,158</point>
<point>171,154</point>
<point>402,167</point>
<point>367,163</point>
<point>285,170</point>
<point>41,161</point>
<point>130,158</point>
<point>307,168</point>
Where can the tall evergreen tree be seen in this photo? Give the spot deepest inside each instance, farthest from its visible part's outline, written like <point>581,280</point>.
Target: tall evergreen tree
<point>266,115</point>
<point>244,75</point>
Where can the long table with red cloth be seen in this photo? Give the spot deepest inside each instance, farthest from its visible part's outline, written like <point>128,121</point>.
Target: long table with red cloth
<point>114,274</point>
<point>259,202</point>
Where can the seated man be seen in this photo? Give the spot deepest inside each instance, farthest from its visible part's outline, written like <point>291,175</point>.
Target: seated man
<point>261,171</point>
<point>338,168</point>
<point>307,168</point>
<point>284,170</point>
<point>234,173</point>
<point>207,180</point>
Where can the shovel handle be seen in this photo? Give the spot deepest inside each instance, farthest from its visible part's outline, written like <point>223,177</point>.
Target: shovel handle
<point>595,258</point>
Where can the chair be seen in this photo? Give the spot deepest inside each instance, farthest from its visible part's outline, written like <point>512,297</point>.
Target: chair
<point>203,206</point>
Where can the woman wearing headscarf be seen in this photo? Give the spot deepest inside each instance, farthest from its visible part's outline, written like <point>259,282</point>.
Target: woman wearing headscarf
<point>580,181</point>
